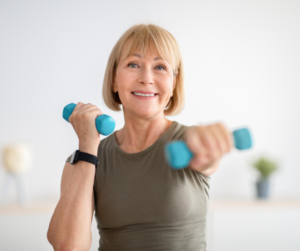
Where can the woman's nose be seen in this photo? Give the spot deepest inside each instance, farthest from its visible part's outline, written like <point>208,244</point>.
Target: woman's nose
<point>146,76</point>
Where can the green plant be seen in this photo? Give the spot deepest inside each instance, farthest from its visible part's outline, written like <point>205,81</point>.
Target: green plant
<point>265,166</point>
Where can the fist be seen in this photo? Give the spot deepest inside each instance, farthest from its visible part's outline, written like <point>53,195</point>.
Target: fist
<point>208,144</point>
<point>83,121</point>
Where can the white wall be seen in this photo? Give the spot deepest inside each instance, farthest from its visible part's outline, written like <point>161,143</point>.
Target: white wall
<point>241,66</point>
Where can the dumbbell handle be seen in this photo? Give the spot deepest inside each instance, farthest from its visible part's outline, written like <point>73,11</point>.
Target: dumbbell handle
<point>178,155</point>
<point>105,124</point>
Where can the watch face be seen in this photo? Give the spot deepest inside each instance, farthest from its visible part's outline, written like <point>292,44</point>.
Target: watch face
<point>73,157</point>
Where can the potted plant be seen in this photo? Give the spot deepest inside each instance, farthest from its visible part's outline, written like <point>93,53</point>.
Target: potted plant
<point>265,166</point>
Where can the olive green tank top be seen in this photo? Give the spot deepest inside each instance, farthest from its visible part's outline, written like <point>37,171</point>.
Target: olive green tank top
<point>141,203</point>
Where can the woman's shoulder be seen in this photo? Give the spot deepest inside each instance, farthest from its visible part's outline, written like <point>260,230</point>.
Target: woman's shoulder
<point>107,142</point>
<point>178,131</point>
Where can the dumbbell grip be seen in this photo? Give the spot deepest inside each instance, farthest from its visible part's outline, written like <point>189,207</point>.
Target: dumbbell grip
<point>178,155</point>
<point>105,124</point>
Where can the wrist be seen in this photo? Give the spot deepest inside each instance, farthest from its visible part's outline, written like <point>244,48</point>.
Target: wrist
<point>88,149</point>
<point>79,155</point>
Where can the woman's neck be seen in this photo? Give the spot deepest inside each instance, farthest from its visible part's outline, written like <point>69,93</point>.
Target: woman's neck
<point>138,135</point>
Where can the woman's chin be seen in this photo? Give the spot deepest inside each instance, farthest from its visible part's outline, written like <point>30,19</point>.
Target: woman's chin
<point>146,113</point>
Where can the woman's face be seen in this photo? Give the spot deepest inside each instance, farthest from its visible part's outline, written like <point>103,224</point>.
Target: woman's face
<point>137,74</point>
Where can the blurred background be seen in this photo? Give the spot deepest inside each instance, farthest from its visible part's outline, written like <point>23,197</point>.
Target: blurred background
<point>242,62</point>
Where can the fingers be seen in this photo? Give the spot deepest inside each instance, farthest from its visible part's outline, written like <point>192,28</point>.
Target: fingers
<point>208,144</point>
<point>84,110</point>
<point>218,137</point>
<point>197,146</point>
<point>83,121</point>
<point>209,137</point>
<point>228,137</point>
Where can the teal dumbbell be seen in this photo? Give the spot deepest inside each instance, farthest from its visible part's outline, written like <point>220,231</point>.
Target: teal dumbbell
<point>105,124</point>
<point>178,154</point>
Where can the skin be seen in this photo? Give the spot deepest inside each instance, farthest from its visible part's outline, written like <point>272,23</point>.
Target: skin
<point>145,121</point>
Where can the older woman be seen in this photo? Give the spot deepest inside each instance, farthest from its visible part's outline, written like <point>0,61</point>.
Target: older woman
<point>140,203</point>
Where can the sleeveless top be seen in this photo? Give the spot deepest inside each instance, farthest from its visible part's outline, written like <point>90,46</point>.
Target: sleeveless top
<point>141,203</point>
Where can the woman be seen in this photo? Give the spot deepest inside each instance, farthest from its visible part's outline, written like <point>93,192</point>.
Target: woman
<point>140,202</point>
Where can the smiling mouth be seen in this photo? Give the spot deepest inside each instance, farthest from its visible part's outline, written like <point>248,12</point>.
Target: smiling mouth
<point>145,96</point>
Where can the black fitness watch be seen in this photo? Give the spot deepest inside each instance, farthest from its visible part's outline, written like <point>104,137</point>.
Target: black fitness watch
<point>77,155</point>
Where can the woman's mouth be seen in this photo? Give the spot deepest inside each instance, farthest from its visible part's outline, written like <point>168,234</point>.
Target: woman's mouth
<point>144,96</point>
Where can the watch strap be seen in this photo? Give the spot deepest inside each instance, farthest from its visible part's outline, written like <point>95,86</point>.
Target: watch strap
<point>78,155</point>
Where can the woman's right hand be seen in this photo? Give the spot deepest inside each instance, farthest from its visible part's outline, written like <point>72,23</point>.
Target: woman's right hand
<point>83,121</point>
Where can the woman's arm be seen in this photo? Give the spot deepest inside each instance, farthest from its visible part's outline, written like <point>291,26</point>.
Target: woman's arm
<point>70,225</point>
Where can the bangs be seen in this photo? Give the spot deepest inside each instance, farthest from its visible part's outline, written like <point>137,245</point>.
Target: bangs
<point>144,41</point>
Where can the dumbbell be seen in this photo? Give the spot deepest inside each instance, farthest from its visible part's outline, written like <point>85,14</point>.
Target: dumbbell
<point>105,124</point>
<point>178,155</point>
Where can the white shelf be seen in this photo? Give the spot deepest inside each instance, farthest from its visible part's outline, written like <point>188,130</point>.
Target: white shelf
<point>33,208</point>
<point>254,204</point>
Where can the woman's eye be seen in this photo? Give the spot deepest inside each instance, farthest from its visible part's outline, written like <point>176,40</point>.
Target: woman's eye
<point>161,67</point>
<point>131,64</point>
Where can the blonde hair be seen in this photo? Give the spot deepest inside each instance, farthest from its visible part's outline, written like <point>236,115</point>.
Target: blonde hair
<point>145,36</point>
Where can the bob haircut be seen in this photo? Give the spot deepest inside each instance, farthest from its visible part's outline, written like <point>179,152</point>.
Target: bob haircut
<point>142,37</point>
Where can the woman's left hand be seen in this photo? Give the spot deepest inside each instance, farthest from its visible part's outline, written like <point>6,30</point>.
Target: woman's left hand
<point>208,144</point>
